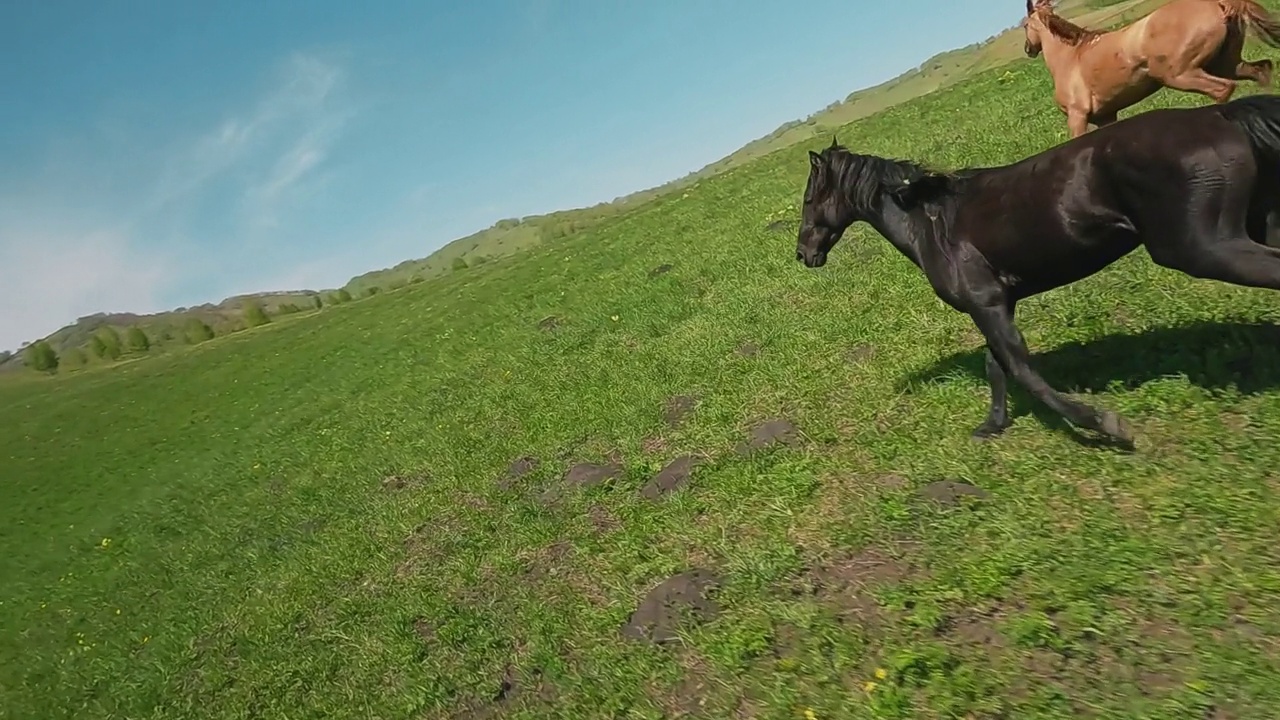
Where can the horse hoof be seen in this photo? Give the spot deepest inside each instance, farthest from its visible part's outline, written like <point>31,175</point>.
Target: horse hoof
<point>1117,427</point>
<point>988,430</point>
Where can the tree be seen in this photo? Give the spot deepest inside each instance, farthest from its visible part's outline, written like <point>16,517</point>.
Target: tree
<point>136,340</point>
<point>318,302</point>
<point>197,331</point>
<point>41,357</point>
<point>4,356</point>
<point>339,297</point>
<point>255,315</point>
<point>106,343</point>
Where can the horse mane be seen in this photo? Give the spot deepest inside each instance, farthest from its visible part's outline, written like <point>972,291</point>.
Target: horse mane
<point>864,177</point>
<point>1064,29</point>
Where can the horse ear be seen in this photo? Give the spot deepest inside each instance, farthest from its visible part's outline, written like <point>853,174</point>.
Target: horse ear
<point>1031,6</point>
<point>834,143</point>
<point>816,161</point>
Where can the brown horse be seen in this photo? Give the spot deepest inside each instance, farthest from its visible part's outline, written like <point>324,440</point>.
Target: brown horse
<point>1191,45</point>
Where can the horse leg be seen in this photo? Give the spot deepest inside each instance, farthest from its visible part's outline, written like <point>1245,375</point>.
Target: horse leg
<point>1237,260</point>
<point>1077,123</point>
<point>998,415</point>
<point>1259,71</point>
<point>1198,81</point>
<point>1010,350</point>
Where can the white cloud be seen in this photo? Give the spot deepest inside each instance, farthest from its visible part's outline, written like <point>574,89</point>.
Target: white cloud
<point>51,281</point>
<point>66,255</point>
<point>298,108</point>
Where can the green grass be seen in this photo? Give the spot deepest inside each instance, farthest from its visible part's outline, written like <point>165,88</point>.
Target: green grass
<point>305,519</point>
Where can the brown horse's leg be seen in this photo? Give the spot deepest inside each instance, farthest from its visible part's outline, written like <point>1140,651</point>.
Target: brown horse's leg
<point>1077,123</point>
<point>1198,81</point>
<point>1258,71</point>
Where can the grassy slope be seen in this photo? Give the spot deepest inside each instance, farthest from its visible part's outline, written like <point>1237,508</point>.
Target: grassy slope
<point>511,237</point>
<point>211,534</point>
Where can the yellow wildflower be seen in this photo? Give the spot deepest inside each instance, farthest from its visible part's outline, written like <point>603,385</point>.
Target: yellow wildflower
<point>881,674</point>
<point>809,714</point>
<point>869,686</point>
<point>106,542</point>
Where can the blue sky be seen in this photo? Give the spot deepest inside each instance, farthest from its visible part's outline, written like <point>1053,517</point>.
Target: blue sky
<point>162,154</point>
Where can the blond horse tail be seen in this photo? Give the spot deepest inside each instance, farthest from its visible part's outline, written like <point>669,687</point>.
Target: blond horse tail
<point>1255,17</point>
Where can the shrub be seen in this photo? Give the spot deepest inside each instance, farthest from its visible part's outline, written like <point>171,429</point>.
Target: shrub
<point>340,297</point>
<point>459,263</point>
<point>137,340</point>
<point>255,315</point>
<point>105,344</point>
<point>289,309</point>
<point>196,331</point>
<point>41,357</point>
<point>315,299</point>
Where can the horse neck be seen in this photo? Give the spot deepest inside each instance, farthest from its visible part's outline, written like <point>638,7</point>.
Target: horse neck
<point>1059,55</point>
<point>903,230</point>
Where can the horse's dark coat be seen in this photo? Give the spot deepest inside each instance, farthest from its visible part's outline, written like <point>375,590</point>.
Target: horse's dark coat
<point>1198,187</point>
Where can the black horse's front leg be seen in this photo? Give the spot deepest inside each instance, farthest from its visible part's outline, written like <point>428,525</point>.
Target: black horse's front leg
<point>998,416</point>
<point>1010,349</point>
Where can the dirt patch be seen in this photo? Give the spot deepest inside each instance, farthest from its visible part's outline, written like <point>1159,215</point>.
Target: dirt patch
<point>845,584</point>
<point>417,551</point>
<point>398,482</point>
<point>550,561</point>
<point>603,520</point>
<point>662,269</point>
<point>507,689</point>
<point>671,478</point>
<point>518,468</point>
<point>773,431</point>
<point>667,606</point>
<point>891,481</point>
<point>748,349</point>
<point>976,630</point>
<point>776,226</point>
<point>424,629</point>
<point>549,323</point>
<point>654,445</point>
<point>860,353</point>
<point>585,475</point>
<point>692,695</point>
<point>949,493</point>
<point>677,408</point>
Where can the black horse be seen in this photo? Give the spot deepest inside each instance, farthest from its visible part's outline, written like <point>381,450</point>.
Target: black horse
<point>1200,188</point>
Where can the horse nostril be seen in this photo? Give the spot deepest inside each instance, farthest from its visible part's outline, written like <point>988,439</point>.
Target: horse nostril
<point>800,256</point>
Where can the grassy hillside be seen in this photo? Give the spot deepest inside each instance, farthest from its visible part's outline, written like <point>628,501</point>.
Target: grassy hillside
<point>379,511</point>
<point>514,235</point>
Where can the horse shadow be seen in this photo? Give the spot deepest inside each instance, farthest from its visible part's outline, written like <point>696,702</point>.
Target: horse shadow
<point>1213,355</point>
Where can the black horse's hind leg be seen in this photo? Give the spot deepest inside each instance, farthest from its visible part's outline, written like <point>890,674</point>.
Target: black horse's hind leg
<point>1238,261</point>
<point>1010,350</point>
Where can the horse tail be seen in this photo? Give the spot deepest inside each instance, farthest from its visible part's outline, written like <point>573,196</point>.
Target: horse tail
<point>1255,17</point>
<point>1258,117</point>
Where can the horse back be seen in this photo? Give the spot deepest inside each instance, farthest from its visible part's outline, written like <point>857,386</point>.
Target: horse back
<point>1066,212</point>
